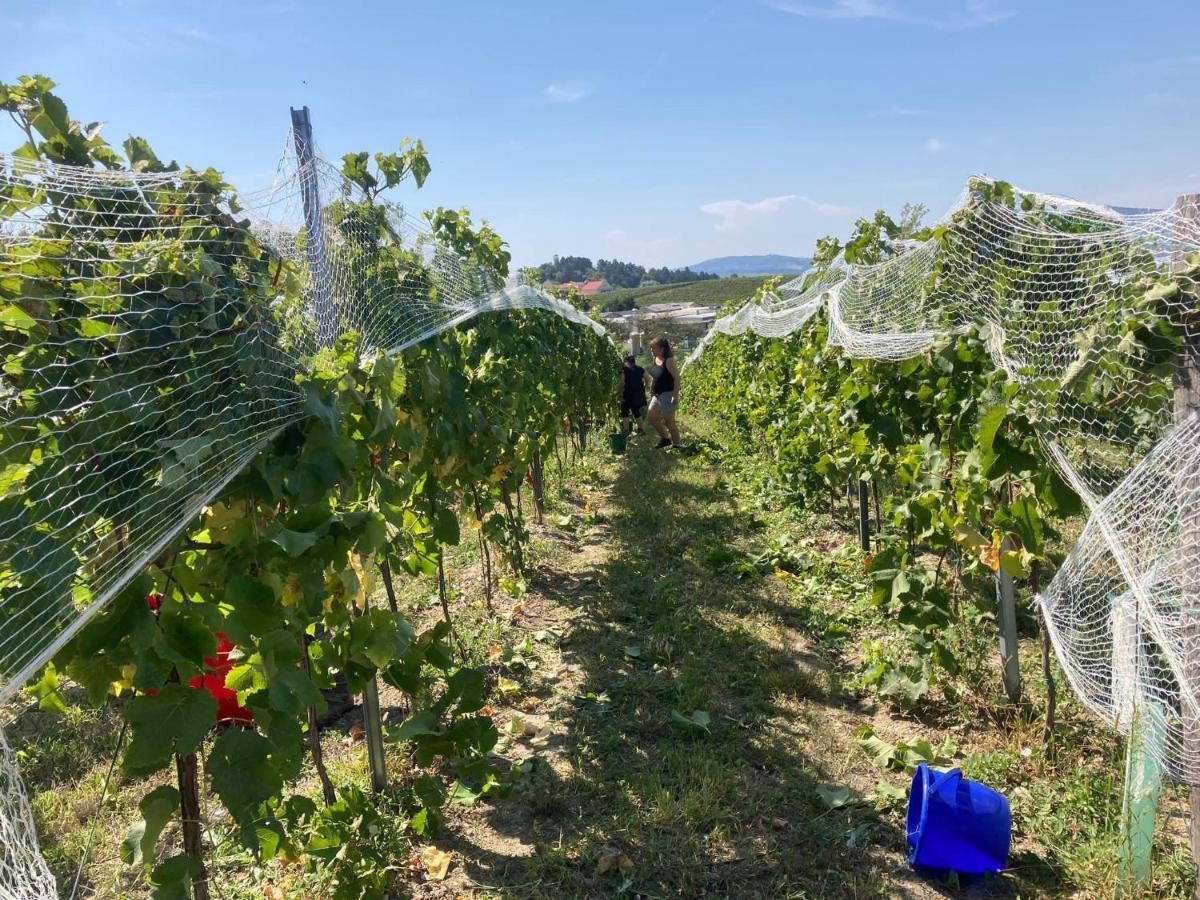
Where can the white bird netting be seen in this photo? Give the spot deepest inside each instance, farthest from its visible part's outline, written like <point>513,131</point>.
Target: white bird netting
<point>152,327</point>
<point>23,871</point>
<point>1094,313</point>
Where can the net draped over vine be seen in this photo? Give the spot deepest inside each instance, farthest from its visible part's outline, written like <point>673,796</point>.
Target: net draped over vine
<point>1094,313</point>
<point>152,327</point>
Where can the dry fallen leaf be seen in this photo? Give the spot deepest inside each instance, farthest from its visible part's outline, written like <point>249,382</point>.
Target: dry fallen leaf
<point>529,704</point>
<point>413,866</point>
<point>437,863</point>
<point>779,824</point>
<point>517,609</point>
<point>495,653</point>
<point>615,861</point>
<point>272,891</point>
<point>355,737</point>
<point>486,710</point>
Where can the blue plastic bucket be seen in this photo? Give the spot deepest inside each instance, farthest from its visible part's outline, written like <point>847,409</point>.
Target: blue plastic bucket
<point>956,825</point>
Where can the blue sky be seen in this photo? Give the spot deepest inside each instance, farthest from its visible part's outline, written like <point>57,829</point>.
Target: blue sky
<point>662,131</point>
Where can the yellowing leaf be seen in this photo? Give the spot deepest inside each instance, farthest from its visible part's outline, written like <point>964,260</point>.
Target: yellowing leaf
<point>507,685</point>
<point>17,319</point>
<point>447,465</point>
<point>614,861</point>
<point>970,537</point>
<point>367,579</point>
<point>990,554</point>
<point>436,862</point>
<point>223,517</point>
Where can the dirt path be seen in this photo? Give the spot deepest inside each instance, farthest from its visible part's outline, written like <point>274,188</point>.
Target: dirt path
<point>671,688</point>
<point>692,738</point>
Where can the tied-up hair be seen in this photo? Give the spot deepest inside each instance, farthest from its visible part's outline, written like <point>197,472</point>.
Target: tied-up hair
<point>663,345</point>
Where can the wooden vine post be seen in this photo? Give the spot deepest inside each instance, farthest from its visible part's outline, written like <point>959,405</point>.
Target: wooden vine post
<point>1187,405</point>
<point>864,516</point>
<point>1006,614</point>
<point>314,731</point>
<point>537,476</point>
<point>187,770</point>
<point>314,226</point>
<point>373,728</point>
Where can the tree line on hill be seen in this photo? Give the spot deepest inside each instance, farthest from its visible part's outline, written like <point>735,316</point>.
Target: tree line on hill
<point>616,273</point>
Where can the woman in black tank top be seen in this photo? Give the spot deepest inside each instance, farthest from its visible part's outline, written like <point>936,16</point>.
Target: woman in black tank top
<point>664,385</point>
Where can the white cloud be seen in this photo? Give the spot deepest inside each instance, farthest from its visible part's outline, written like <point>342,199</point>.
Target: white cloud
<point>1164,65</point>
<point>826,209</point>
<point>734,215</point>
<point>1168,99</point>
<point>647,250</point>
<point>903,111</point>
<point>982,12</point>
<point>952,16</point>
<point>200,36</point>
<point>935,145</point>
<point>839,9</point>
<point>566,92</point>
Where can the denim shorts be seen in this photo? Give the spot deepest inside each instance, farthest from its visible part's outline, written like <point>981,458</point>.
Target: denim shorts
<point>663,402</point>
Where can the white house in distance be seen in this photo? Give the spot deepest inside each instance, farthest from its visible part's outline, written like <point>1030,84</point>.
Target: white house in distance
<point>638,321</point>
<point>689,313</point>
<point>587,288</point>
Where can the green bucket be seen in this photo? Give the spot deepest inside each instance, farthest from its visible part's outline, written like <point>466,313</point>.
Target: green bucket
<point>618,441</point>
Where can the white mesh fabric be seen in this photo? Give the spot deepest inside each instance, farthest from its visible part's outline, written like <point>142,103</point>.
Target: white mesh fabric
<point>1078,306</point>
<point>23,872</point>
<point>192,408</point>
<point>122,418</point>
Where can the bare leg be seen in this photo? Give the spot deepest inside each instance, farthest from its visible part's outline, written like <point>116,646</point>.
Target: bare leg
<point>655,418</point>
<point>672,428</point>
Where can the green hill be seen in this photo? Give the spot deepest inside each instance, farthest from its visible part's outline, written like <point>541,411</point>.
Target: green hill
<point>714,292</point>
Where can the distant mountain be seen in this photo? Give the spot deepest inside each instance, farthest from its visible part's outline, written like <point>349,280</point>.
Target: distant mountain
<point>771,264</point>
<point>1133,210</point>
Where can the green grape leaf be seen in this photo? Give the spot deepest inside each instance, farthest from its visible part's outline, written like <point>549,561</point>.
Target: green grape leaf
<point>698,721</point>
<point>243,775</point>
<point>254,608</point>
<point>291,691</point>
<point>420,724</point>
<point>294,543</point>
<point>175,720</point>
<point>172,878</point>
<point>187,638</point>
<point>156,809</point>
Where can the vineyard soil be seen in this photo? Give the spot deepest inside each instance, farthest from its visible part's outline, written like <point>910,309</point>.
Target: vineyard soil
<point>687,691</point>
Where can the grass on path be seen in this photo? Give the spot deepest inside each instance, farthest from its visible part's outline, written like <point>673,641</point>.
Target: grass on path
<point>699,744</point>
<point>678,682</point>
<point>701,726</point>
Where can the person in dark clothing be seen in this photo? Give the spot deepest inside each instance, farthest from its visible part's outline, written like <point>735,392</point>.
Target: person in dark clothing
<point>633,394</point>
<point>665,387</point>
